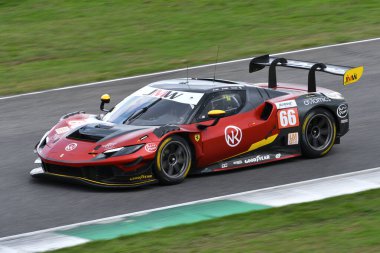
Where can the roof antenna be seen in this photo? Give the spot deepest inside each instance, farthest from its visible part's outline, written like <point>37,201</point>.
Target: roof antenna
<point>216,63</point>
<point>187,74</point>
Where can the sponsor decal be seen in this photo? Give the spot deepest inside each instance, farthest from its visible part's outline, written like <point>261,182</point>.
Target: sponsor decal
<point>238,162</point>
<point>315,100</point>
<point>109,146</point>
<point>257,159</point>
<point>286,104</point>
<point>197,137</point>
<point>71,146</point>
<point>352,75</point>
<point>288,118</point>
<point>144,137</point>
<point>292,138</point>
<point>62,130</point>
<point>76,123</point>
<point>351,78</point>
<point>342,111</point>
<point>228,88</point>
<point>151,147</point>
<point>169,94</point>
<point>233,135</point>
<point>343,121</point>
<point>247,161</point>
<point>141,177</point>
<point>178,96</point>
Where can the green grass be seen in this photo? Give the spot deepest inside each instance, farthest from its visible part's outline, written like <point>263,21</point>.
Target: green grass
<point>348,223</point>
<point>54,43</point>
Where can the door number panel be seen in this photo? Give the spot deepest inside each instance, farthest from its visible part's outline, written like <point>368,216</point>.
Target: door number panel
<point>288,118</point>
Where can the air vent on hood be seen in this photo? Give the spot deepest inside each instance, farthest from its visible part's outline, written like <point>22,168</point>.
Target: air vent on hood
<point>92,133</point>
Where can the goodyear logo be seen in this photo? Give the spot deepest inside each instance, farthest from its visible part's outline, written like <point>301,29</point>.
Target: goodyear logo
<point>141,177</point>
<point>353,75</point>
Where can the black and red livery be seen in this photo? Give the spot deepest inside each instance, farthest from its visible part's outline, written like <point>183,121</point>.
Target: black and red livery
<point>171,128</point>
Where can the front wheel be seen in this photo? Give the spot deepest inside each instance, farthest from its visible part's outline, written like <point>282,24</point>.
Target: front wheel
<point>173,160</point>
<point>318,133</point>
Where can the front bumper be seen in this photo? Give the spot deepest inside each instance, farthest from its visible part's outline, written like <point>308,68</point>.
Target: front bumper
<point>100,176</point>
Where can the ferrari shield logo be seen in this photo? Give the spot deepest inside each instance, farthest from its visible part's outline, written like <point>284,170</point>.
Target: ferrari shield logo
<point>197,137</point>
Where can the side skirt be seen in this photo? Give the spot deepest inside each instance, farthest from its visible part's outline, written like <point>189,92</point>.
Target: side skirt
<point>251,159</point>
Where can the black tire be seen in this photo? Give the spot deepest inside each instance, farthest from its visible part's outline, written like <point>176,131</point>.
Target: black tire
<point>173,160</point>
<point>318,133</point>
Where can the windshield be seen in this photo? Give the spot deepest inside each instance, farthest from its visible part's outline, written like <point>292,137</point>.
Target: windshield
<point>153,107</point>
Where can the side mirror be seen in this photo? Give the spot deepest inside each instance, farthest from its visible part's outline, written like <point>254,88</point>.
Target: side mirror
<point>216,114</point>
<point>105,99</point>
<point>213,114</point>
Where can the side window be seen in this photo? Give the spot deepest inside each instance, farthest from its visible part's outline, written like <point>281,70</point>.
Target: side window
<point>229,101</point>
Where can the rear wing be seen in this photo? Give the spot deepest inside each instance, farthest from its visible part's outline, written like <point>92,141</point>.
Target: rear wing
<point>350,74</point>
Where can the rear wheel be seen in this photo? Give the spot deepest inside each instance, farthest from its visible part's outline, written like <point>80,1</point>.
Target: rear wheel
<point>318,133</point>
<point>173,160</point>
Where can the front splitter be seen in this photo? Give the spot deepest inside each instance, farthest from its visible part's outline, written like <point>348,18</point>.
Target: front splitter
<point>40,173</point>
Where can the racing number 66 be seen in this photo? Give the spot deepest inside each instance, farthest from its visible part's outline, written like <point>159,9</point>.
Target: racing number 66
<point>288,118</point>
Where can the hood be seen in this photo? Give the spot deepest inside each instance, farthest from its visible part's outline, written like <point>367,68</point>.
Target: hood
<point>101,132</point>
<point>79,138</point>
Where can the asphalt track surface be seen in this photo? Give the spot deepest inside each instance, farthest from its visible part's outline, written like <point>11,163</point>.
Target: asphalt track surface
<point>27,205</point>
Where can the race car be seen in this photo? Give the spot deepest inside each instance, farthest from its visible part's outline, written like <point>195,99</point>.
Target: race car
<point>168,129</point>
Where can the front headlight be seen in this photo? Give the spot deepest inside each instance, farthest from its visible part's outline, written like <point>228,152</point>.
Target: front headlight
<point>44,138</point>
<point>120,151</point>
<point>42,142</point>
<point>114,150</point>
<point>71,114</point>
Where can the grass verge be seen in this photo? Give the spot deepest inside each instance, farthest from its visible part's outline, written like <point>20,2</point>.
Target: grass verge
<point>349,223</point>
<point>52,43</point>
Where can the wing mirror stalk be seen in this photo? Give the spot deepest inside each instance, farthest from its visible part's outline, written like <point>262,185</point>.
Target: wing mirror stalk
<point>214,114</point>
<point>105,99</point>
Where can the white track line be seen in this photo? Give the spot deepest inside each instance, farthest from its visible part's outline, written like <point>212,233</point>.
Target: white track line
<point>182,69</point>
<point>107,219</point>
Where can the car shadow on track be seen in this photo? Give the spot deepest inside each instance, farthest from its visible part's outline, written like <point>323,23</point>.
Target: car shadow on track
<point>76,186</point>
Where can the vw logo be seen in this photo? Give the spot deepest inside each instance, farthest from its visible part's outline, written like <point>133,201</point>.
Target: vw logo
<point>342,111</point>
<point>233,135</point>
<point>71,146</point>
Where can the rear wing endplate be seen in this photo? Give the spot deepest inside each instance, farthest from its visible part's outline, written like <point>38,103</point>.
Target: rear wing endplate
<point>350,74</point>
